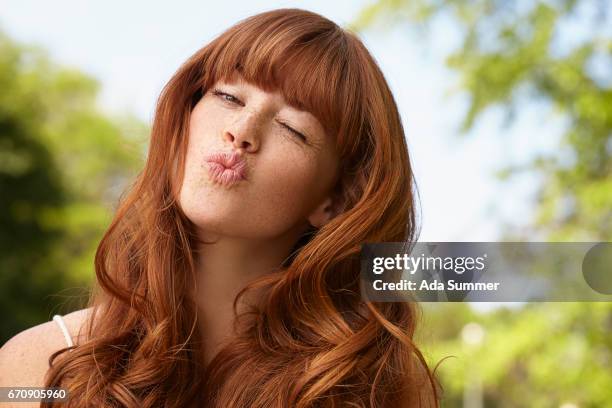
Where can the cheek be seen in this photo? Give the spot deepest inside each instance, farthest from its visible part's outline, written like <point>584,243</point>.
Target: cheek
<point>286,188</point>
<point>290,184</point>
<point>206,121</point>
<point>204,124</point>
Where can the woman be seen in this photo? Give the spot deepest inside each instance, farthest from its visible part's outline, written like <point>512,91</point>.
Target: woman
<point>229,276</point>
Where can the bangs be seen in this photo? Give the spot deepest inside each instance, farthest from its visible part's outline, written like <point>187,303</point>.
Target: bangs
<point>306,61</point>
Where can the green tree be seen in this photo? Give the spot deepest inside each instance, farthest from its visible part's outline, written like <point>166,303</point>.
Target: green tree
<point>513,54</point>
<point>63,163</point>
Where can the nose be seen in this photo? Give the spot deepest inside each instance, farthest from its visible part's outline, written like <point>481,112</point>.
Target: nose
<point>244,131</point>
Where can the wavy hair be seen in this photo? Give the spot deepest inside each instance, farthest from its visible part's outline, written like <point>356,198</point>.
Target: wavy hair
<point>312,341</point>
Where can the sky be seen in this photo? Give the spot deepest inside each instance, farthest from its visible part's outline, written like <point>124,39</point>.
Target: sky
<point>134,47</point>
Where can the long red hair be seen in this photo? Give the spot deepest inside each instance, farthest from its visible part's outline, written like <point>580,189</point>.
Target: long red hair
<point>312,341</point>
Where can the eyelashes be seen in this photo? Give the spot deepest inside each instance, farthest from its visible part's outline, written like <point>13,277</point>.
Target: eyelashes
<point>226,97</point>
<point>295,132</point>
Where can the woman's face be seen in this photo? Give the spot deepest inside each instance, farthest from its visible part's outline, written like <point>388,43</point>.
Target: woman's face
<point>256,167</point>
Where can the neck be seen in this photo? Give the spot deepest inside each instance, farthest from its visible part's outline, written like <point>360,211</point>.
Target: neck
<point>223,268</point>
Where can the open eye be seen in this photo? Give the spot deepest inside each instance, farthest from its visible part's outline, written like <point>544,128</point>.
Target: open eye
<point>227,97</point>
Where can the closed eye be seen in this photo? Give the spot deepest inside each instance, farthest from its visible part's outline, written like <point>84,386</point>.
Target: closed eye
<point>295,132</point>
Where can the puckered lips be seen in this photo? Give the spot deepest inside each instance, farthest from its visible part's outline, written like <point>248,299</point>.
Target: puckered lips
<point>227,168</point>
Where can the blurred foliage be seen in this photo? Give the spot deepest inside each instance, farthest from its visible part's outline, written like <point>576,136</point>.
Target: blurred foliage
<point>62,165</point>
<point>541,355</point>
<point>513,55</point>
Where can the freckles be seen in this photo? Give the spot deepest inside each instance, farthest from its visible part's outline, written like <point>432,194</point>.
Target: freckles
<point>286,192</point>
<point>199,178</point>
<point>195,179</point>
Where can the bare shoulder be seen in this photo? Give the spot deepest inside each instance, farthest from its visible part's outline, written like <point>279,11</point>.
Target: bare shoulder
<point>24,359</point>
<point>76,323</point>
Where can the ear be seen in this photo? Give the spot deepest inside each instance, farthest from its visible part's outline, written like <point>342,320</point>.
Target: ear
<point>323,213</point>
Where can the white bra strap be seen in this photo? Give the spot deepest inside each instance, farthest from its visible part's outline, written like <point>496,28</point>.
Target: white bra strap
<point>58,319</point>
